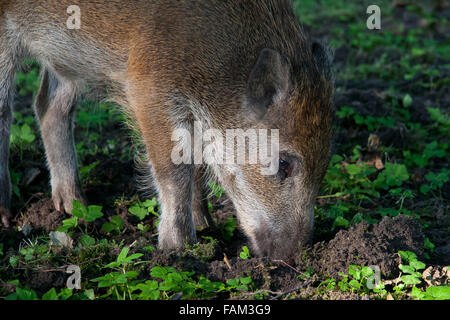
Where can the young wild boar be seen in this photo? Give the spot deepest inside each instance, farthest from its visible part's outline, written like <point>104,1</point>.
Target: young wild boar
<point>227,64</point>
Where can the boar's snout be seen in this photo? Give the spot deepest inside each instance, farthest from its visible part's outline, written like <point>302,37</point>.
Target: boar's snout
<point>282,242</point>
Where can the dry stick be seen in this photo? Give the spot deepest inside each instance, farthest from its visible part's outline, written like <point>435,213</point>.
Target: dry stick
<point>227,262</point>
<point>287,265</point>
<point>278,294</point>
<point>304,284</point>
<point>57,269</point>
<point>33,196</point>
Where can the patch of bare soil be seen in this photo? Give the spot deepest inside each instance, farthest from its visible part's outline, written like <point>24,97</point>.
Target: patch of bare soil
<point>365,244</point>
<point>42,216</point>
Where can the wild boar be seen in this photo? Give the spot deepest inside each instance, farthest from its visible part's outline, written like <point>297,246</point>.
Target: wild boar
<point>226,64</point>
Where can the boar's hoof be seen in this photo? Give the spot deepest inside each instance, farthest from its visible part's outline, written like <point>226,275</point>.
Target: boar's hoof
<point>63,200</point>
<point>5,216</point>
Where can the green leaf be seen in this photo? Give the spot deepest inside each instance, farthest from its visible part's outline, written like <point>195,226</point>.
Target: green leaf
<point>87,241</point>
<point>78,209</point>
<point>159,272</point>
<point>139,212</point>
<point>133,257</point>
<point>353,169</point>
<point>93,213</point>
<point>410,279</point>
<point>417,293</point>
<point>22,294</point>
<point>149,290</point>
<point>50,295</point>
<point>245,253</point>
<point>428,245</point>
<point>340,222</point>
<point>246,280</point>
<point>439,293</point>
<point>26,134</point>
<point>89,293</point>
<point>407,256</point>
<point>233,282</point>
<point>417,265</point>
<point>394,175</point>
<point>355,284</point>
<point>68,224</point>
<point>228,229</point>
<point>367,271</point>
<point>407,101</point>
<point>355,271</point>
<point>116,224</point>
<point>123,254</point>
<point>407,269</point>
<point>425,188</point>
<point>131,274</point>
<point>150,203</point>
<point>14,261</point>
<point>65,293</point>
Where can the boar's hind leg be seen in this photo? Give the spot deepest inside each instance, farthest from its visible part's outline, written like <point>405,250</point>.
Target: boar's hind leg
<point>7,66</point>
<point>54,107</point>
<point>200,212</point>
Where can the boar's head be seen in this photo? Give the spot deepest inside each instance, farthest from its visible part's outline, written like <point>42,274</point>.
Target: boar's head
<point>294,96</point>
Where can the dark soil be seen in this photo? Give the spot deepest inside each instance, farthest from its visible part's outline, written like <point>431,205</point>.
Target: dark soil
<point>365,244</point>
<point>42,216</point>
<point>42,281</point>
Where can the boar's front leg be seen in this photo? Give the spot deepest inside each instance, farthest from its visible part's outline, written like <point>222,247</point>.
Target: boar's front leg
<point>175,186</point>
<point>54,108</point>
<point>174,182</point>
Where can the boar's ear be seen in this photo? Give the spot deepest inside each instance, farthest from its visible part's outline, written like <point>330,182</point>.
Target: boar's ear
<point>268,82</point>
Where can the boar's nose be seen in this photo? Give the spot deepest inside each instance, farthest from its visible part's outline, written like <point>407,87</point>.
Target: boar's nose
<point>275,245</point>
<point>262,241</point>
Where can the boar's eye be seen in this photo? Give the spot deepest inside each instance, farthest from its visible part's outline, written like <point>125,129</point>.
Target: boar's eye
<point>288,166</point>
<point>284,169</point>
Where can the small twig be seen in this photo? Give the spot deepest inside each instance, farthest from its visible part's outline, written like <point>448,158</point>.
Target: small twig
<point>134,243</point>
<point>57,269</point>
<point>287,265</point>
<point>227,262</point>
<point>60,269</point>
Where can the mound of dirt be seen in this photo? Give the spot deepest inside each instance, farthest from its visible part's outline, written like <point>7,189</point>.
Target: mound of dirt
<point>42,215</point>
<point>365,244</point>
